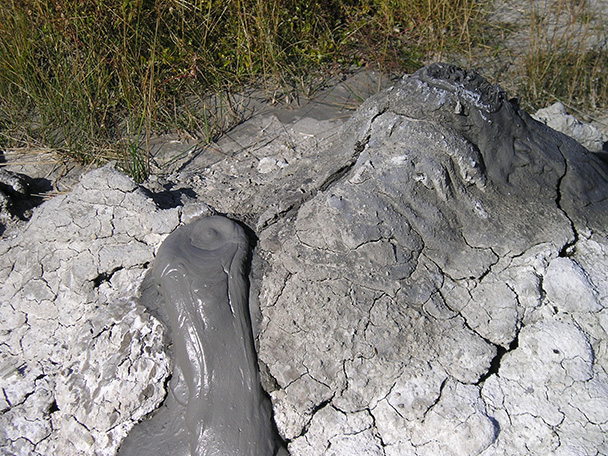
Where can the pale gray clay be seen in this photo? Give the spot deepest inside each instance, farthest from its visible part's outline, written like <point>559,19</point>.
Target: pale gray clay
<point>428,278</point>
<point>556,117</point>
<point>80,360</point>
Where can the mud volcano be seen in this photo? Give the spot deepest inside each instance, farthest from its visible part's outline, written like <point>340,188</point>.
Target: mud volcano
<point>430,279</point>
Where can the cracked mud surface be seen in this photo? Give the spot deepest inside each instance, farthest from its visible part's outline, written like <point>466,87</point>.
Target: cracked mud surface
<point>80,360</point>
<point>435,299</point>
<point>432,283</point>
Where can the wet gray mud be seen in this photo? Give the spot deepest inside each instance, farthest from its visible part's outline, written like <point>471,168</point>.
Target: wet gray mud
<point>215,403</point>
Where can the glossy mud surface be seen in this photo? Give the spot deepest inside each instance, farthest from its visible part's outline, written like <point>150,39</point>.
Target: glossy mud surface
<point>215,404</point>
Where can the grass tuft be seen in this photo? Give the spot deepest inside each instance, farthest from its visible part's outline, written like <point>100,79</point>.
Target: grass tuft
<point>567,58</point>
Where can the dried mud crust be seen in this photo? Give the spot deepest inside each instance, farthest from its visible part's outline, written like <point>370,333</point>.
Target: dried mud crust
<point>430,279</point>
<point>81,360</point>
<point>407,305</point>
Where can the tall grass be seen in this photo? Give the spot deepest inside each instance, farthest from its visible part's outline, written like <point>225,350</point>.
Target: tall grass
<point>566,58</point>
<point>96,80</point>
<point>400,35</point>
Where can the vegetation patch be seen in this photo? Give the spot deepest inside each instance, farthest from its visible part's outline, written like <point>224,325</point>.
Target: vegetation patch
<point>95,80</point>
<point>566,58</point>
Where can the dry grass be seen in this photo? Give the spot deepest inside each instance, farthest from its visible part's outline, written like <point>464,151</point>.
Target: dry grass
<point>566,59</point>
<point>553,50</point>
<point>95,80</point>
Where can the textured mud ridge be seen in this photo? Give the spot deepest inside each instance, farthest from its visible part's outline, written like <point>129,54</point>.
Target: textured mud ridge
<point>442,295</point>
<point>216,405</point>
